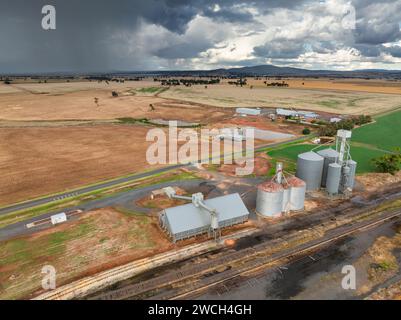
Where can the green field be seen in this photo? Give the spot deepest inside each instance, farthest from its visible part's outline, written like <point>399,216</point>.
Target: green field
<point>384,134</point>
<point>367,143</point>
<point>361,155</point>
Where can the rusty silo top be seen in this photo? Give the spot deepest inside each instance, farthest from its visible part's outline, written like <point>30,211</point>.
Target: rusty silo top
<point>271,186</point>
<point>296,182</point>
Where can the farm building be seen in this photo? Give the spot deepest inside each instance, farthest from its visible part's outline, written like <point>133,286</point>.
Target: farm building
<point>296,113</point>
<point>58,218</point>
<point>335,120</point>
<point>187,221</point>
<point>249,111</point>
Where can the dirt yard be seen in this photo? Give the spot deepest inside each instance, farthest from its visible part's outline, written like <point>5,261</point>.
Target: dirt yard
<point>98,241</point>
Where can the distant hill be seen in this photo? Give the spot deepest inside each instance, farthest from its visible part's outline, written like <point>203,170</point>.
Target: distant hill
<point>252,71</point>
<point>274,71</point>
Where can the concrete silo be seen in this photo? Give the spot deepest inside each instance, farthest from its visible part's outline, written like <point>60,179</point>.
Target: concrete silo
<point>310,169</point>
<point>297,195</point>
<point>333,178</point>
<point>269,201</point>
<point>330,156</point>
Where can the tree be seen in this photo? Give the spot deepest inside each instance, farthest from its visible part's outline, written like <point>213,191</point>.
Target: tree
<point>97,101</point>
<point>114,94</point>
<point>306,131</point>
<point>389,163</point>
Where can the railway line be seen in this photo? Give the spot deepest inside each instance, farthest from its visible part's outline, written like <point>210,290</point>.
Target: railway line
<point>246,260</point>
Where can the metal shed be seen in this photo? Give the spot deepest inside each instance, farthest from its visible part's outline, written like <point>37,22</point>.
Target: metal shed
<point>249,111</point>
<point>187,221</point>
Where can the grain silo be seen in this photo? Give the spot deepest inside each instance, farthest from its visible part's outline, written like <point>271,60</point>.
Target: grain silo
<point>297,195</point>
<point>352,165</point>
<point>269,201</point>
<point>333,178</point>
<point>330,156</point>
<point>286,198</point>
<point>310,170</point>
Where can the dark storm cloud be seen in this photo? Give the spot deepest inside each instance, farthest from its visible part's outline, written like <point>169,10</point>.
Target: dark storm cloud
<point>371,51</point>
<point>82,39</point>
<point>378,21</point>
<point>102,35</point>
<point>280,49</point>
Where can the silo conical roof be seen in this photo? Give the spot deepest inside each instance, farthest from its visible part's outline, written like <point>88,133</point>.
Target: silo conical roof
<point>328,153</point>
<point>310,156</point>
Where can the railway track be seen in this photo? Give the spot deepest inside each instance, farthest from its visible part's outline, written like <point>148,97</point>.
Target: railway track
<point>253,258</point>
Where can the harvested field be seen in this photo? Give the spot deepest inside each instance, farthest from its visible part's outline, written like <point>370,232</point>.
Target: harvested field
<point>334,101</point>
<point>60,87</point>
<point>98,241</point>
<point>359,85</point>
<point>39,161</point>
<point>81,106</point>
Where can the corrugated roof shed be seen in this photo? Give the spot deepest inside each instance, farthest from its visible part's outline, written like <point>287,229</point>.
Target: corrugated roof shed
<point>185,218</point>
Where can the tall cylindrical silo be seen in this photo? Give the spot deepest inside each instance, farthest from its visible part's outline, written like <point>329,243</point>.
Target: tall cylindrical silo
<point>297,196</point>
<point>286,198</point>
<point>330,156</point>
<point>345,179</point>
<point>352,165</point>
<point>269,201</point>
<point>333,178</point>
<point>310,170</point>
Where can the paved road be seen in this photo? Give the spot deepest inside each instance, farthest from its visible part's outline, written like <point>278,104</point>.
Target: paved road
<point>124,199</point>
<point>46,200</point>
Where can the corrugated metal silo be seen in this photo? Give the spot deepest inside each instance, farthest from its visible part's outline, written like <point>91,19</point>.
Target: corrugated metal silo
<point>333,178</point>
<point>297,196</point>
<point>345,178</point>
<point>352,165</point>
<point>286,199</point>
<point>269,201</point>
<point>330,156</point>
<point>310,170</point>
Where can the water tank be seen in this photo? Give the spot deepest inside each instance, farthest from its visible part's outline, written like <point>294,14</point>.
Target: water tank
<point>330,156</point>
<point>352,165</point>
<point>333,178</point>
<point>286,199</point>
<point>297,196</point>
<point>269,201</point>
<point>310,170</point>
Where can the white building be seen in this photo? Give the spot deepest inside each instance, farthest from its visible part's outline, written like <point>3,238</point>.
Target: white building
<point>249,111</point>
<point>335,120</point>
<point>58,218</point>
<point>296,113</point>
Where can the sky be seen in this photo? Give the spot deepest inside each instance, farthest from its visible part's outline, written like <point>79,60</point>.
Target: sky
<point>133,35</point>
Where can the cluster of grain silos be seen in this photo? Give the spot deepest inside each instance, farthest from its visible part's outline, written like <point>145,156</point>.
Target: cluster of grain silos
<point>280,195</point>
<point>328,168</point>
